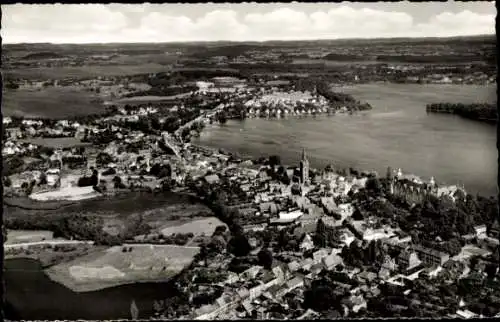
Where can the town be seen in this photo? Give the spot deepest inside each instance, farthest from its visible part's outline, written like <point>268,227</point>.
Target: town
<point>297,242</point>
<point>250,161</point>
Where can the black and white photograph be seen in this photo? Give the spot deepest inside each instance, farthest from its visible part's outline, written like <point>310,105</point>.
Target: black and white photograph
<point>268,161</point>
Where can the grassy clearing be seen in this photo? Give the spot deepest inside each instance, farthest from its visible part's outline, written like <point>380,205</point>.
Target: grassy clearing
<point>201,226</point>
<point>113,266</point>
<point>27,236</point>
<point>52,102</point>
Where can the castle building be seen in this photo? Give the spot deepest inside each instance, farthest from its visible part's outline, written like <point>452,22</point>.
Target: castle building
<point>304,169</point>
<point>413,192</point>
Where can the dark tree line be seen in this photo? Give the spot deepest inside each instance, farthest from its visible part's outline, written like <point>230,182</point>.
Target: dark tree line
<point>478,111</point>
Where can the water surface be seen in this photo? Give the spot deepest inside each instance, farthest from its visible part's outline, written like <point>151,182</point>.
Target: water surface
<point>397,132</point>
<point>32,295</point>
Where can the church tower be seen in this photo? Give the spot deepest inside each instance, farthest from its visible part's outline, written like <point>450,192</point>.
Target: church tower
<point>304,169</point>
<point>389,177</point>
<point>432,186</point>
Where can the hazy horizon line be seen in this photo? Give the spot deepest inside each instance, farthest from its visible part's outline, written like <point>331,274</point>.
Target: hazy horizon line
<point>255,41</point>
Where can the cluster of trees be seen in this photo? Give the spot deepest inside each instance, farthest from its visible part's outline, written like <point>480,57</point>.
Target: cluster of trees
<point>427,59</point>
<point>265,257</point>
<point>103,159</point>
<point>195,127</point>
<point>101,138</point>
<point>221,117</point>
<point>177,239</point>
<point>11,165</point>
<point>436,216</point>
<point>447,219</point>
<point>478,111</point>
<point>163,89</point>
<point>337,99</point>
<point>135,226</point>
<point>216,199</point>
<point>324,296</point>
<point>161,170</point>
<point>93,180</point>
<point>276,171</point>
<point>235,111</point>
<point>326,236</point>
<point>151,124</point>
<point>71,226</point>
<point>372,253</point>
<point>180,304</point>
<point>218,243</point>
<point>173,306</point>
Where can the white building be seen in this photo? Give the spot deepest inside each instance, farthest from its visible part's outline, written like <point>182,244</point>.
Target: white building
<point>292,215</point>
<point>53,176</point>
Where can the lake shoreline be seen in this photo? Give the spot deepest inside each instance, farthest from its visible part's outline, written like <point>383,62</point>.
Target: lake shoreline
<point>114,301</point>
<point>98,286</point>
<point>397,132</point>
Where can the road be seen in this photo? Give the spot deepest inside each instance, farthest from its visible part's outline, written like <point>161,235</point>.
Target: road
<point>47,242</point>
<point>201,118</point>
<point>155,245</point>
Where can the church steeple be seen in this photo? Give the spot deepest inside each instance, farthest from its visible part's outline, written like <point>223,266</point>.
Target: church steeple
<point>304,169</point>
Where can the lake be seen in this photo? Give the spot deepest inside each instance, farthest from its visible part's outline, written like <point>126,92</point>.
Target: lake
<point>31,295</point>
<point>397,133</point>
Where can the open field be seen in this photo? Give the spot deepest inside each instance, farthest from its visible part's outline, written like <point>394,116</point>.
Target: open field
<point>197,227</point>
<point>50,102</point>
<point>23,204</point>
<point>92,71</point>
<point>28,236</point>
<point>114,266</point>
<point>158,218</point>
<point>115,214</point>
<point>150,98</point>
<point>66,193</point>
<point>121,205</point>
<point>50,254</point>
<point>56,143</point>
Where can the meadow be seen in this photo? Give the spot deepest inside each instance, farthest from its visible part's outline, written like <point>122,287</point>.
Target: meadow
<point>51,102</point>
<point>27,236</point>
<point>115,216</point>
<point>204,226</point>
<point>122,265</point>
<point>83,72</point>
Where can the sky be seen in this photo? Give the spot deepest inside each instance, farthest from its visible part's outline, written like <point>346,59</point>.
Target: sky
<point>112,23</point>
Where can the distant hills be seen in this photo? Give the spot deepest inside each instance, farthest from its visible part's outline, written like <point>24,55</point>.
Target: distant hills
<point>231,49</point>
<point>420,40</point>
<point>42,55</point>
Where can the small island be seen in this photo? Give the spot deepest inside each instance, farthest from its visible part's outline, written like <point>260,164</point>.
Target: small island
<point>485,112</point>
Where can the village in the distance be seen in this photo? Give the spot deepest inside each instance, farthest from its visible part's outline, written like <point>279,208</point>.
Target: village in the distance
<point>118,192</point>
